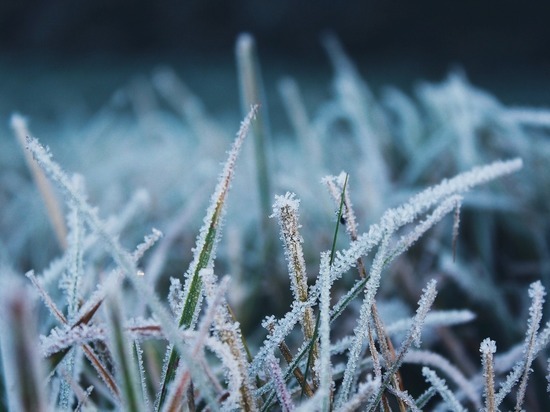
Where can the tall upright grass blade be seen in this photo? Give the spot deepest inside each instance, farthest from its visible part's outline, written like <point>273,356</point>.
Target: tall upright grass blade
<point>296,112</point>
<point>313,340</point>
<point>252,93</point>
<point>366,121</point>
<point>286,210</point>
<point>204,252</point>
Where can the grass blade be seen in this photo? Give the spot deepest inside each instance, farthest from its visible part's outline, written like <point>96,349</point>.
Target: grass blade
<point>20,360</point>
<point>119,346</point>
<point>204,252</point>
<point>55,212</point>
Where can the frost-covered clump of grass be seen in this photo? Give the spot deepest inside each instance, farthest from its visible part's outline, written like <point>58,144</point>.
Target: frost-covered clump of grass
<point>117,336</point>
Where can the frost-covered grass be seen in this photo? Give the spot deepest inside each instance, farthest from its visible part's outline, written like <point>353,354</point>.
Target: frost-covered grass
<point>410,274</point>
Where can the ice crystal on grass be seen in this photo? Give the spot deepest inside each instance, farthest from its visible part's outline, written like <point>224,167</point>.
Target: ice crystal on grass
<point>488,348</point>
<point>325,375</point>
<point>205,250</point>
<point>285,209</point>
<point>441,387</point>
<point>280,387</point>
<point>523,367</point>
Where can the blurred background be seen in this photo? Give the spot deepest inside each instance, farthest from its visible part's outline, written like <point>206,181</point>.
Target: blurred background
<point>84,50</point>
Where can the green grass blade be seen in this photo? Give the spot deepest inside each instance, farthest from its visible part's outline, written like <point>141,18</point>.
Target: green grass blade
<point>332,251</point>
<point>252,92</point>
<point>120,349</point>
<point>340,210</point>
<point>206,243</point>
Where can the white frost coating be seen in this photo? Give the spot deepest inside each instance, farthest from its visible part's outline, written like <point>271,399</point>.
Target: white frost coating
<point>428,296</point>
<point>446,206</point>
<point>62,338</point>
<point>234,380</point>
<point>280,387</point>
<point>175,298</point>
<point>285,209</point>
<point>364,392</point>
<point>427,358</point>
<point>148,242</point>
<point>360,330</point>
<point>413,336</point>
<point>434,319</point>
<point>532,344</point>
<point>72,279</point>
<point>536,293</point>
<point>182,379</point>
<point>405,398</point>
<point>142,374</point>
<point>53,207</point>
<point>280,330</point>
<point>441,387</point>
<point>335,185</point>
<point>114,224</point>
<point>325,374</point>
<point>456,226</point>
<point>393,219</point>
<point>487,348</point>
